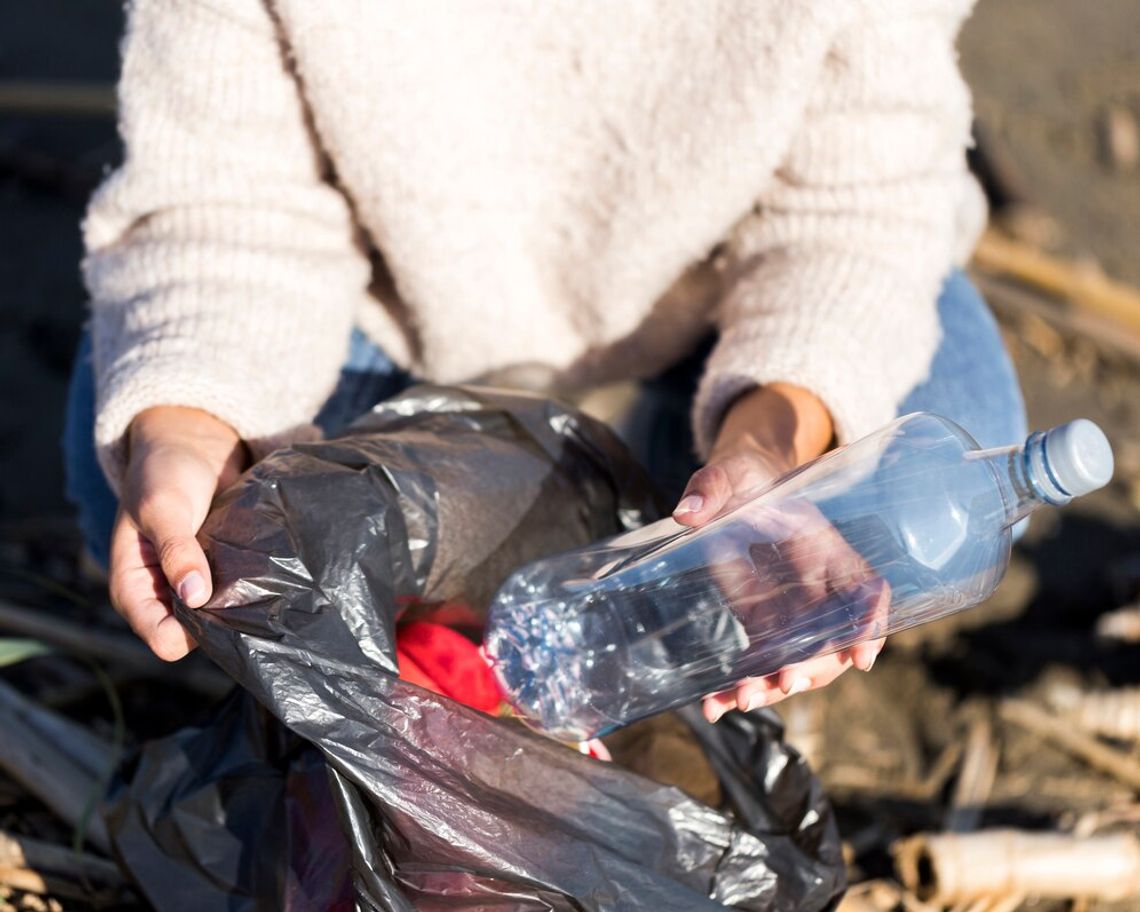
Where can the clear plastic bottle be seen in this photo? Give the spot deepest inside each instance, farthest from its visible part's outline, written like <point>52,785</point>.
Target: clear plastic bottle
<point>905,526</point>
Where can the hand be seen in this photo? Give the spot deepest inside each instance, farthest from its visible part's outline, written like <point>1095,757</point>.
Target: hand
<point>179,458</point>
<point>766,434</point>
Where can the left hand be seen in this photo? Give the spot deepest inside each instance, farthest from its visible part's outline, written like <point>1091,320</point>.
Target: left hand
<point>767,433</point>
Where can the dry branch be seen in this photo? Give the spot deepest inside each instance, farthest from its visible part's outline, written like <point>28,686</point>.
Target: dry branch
<point>1111,713</point>
<point>952,867</point>
<point>1085,287</point>
<point>41,765</point>
<point>1061,733</point>
<point>1122,625</point>
<point>87,749</point>
<point>976,780</point>
<point>117,649</point>
<point>24,852</point>
<point>871,896</point>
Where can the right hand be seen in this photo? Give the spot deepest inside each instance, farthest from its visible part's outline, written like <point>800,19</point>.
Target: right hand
<point>806,562</point>
<point>179,459</point>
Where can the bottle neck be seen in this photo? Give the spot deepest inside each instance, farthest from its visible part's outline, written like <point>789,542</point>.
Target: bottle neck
<point>1023,475</point>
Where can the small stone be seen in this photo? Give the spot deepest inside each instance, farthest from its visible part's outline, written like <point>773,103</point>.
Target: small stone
<point>1120,138</point>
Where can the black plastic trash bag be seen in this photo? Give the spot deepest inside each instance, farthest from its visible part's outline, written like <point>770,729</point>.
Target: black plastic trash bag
<point>421,509</point>
<point>235,814</point>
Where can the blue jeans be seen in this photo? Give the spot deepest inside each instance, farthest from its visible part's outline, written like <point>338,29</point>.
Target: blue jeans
<point>971,381</point>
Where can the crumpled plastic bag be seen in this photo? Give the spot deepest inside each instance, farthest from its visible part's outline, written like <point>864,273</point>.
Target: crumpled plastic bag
<point>420,510</point>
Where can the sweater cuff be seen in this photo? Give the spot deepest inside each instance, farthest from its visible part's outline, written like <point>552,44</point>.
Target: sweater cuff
<point>229,394</point>
<point>852,331</point>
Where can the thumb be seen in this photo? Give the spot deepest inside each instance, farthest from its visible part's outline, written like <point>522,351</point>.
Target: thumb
<point>170,529</point>
<point>705,496</point>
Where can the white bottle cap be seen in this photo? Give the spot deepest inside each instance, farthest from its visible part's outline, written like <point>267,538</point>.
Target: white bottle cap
<point>1078,457</point>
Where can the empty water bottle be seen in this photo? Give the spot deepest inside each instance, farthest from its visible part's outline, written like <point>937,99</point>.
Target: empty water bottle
<point>905,526</point>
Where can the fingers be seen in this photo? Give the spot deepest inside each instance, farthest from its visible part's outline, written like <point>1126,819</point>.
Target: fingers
<point>844,578</point>
<point>140,594</point>
<point>878,601</point>
<point>755,693</point>
<point>705,496</point>
<point>178,457</point>
<point>863,656</point>
<point>168,522</point>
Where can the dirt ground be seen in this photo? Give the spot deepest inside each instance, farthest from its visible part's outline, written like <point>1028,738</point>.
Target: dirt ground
<point>889,745</point>
<point>1045,74</point>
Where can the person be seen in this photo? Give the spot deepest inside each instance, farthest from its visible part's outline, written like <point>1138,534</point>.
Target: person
<point>552,196</point>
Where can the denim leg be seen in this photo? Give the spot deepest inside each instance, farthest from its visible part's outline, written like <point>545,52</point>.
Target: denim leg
<point>972,380</point>
<point>87,488</point>
<point>367,377</point>
<point>658,429</point>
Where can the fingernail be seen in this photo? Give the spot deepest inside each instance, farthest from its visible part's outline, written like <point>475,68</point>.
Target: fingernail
<point>192,586</point>
<point>747,704</point>
<point>714,715</point>
<point>691,503</point>
<point>871,664</point>
<point>799,685</point>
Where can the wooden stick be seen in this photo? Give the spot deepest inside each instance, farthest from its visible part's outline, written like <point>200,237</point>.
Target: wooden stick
<point>977,905</point>
<point>952,867</point>
<point>1087,288</point>
<point>22,879</point>
<point>976,780</point>
<point>57,98</point>
<point>118,649</point>
<point>849,777</point>
<point>1122,624</point>
<point>24,852</point>
<point>1110,713</point>
<point>37,763</point>
<point>1018,302</point>
<point>1062,733</point>
<point>862,902</point>
<point>941,770</point>
<point>913,904</point>
<point>86,749</point>
<point>30,881</point>
<point>1006,903</point>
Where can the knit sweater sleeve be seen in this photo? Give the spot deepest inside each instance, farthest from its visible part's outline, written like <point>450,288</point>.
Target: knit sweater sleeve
<point>837,274</point>
<point>221,264</point>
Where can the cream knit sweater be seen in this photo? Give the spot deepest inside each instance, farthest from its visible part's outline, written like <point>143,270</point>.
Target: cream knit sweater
<point>554,193</point>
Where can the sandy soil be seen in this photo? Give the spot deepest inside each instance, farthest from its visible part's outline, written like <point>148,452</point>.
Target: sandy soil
<point>1044,75</point>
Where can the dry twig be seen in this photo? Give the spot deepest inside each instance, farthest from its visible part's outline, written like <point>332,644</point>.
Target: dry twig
<point>976,780</point>
<point>950,867</point>
<point>1111,713</point>
<point>1061,733</point>
<point>32,754</point>
<point>117,649</point>
<point>24,852</point>
<point>1085,287</point>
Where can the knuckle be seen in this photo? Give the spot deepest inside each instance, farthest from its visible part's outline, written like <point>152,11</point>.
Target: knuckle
<point>174,551</point>
<point>714,475</point>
